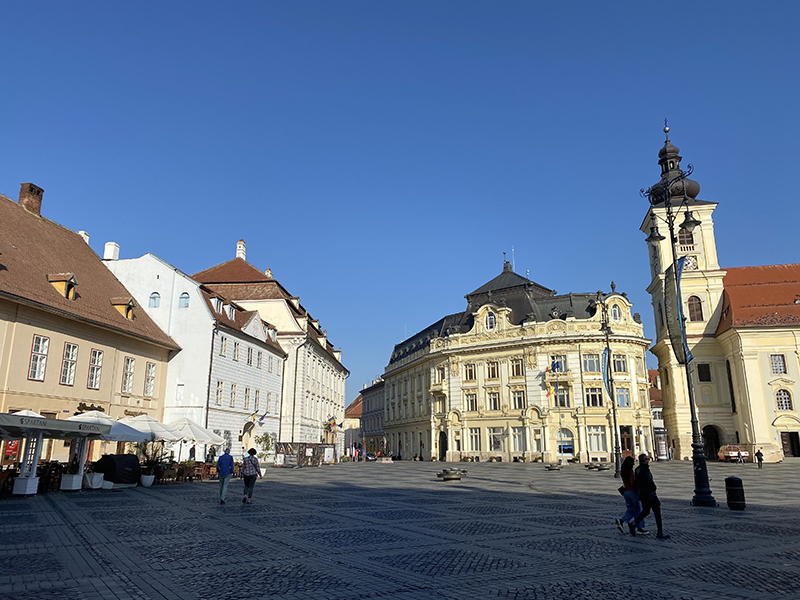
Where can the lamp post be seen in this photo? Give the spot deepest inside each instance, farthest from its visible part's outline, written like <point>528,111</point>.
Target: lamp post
<point>606,329</point>
<point>702,491</point>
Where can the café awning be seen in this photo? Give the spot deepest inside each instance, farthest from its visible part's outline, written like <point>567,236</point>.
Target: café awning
<point>16,426</point>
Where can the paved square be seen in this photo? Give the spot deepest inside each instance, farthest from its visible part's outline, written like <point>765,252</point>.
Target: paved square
<point>361,531</point>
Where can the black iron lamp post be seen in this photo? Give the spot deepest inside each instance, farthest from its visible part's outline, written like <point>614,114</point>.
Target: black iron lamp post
<point>662,191</point>
<point>606,329</point>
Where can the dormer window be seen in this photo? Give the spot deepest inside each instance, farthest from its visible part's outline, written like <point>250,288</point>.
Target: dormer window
<point>491,321</point>
<point>218,304</point>
<point>64,283</point>
<point>231,313</point>
<point>616,313</point>
<point>124,306</point>
<point>155,300</point>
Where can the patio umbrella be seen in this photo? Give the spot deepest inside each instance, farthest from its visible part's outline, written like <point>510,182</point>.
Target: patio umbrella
<point>152,427</point>
<point>120,432</point>
<point>28,413</point>
<point>193,432</point>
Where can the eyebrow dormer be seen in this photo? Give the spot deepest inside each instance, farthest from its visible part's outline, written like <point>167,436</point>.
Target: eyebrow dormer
<point>64,283</point>
<point>124,306</point>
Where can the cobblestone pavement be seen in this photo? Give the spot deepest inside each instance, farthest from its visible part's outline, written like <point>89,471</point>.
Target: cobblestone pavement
<point>366,531</point>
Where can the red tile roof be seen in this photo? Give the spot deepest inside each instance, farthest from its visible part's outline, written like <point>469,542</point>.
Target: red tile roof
<point>33,248</point>
<point>760,296</point>
<point>354,410</point>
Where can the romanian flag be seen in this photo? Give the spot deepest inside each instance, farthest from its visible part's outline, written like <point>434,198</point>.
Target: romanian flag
<point>549,390</point>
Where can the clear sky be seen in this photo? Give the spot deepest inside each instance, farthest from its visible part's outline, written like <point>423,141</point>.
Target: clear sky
<point>380,157</point>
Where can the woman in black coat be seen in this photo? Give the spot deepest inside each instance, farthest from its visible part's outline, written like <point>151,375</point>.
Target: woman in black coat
<point>647,496</point>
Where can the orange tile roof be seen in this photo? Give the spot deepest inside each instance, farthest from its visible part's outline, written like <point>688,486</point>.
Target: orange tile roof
<point>760,296</point>
<point>33,248</point>
<point>354,410</point>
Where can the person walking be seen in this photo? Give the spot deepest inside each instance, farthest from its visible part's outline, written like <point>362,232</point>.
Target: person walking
<point>250,470</point>
<point>759,457</point>
<point>647,496</point>
<point>631,495</point>
<point>739,458</point>
<point>224,470</point>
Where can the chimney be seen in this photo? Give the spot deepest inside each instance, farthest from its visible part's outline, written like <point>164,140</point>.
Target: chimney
<point>111,251</point>
<point>84,235</point>
<point>30,197</point>
<point>241,250</point>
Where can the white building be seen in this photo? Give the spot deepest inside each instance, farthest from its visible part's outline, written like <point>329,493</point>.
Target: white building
<point>314,378</point>
<point>229,375</point>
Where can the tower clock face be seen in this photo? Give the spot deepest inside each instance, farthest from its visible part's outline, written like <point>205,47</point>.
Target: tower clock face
<point>690,264</point>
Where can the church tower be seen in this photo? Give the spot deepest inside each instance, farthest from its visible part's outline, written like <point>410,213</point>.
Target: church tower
<point>701,295</point>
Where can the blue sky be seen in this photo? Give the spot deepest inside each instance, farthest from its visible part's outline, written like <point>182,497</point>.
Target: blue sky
<point>380,157</point>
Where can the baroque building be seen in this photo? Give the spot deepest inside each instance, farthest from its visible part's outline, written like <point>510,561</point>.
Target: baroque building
<point>372,415</point>
<point>742,327</point>
<point>229,375</point>
<point>518,374</point>
<point>72,337</point>
<point>314,376</point>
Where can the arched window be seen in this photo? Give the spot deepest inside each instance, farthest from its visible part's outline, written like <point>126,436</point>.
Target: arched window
<point>155,300</point>
<point>491,321</point>
<point>183,300</point>
<point>685,238</point>
<point>616,313</point>
<point>695,308</point>
<point>565,441</point>
<point>784,399</point>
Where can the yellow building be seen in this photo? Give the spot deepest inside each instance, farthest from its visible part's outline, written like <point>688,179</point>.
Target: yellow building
<point>743,329</point>
<point>72,339</point>
<point>518,374</point>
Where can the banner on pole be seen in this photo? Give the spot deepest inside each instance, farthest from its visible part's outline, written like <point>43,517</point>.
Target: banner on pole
<point>672,303</point>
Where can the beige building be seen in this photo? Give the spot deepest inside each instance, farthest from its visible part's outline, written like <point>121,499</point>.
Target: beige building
<point>518,374</point>
<point>743,329</point>
<point>72,337</point>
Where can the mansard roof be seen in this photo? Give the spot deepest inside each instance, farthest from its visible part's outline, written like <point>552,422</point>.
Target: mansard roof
<point>33,248</point>
<point>760,296</point>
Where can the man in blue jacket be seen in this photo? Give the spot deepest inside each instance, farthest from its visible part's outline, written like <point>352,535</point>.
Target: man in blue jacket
<point>224,470</point>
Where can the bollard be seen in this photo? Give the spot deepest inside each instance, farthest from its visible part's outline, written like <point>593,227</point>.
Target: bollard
<point>735,493</point>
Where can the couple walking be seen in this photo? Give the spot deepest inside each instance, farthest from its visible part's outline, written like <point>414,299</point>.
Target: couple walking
<point>639,487</point>
<point>250,470</point>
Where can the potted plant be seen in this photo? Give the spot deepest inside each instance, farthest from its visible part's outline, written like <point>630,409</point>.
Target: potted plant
<point>151,455</point>
<point>72,480</point>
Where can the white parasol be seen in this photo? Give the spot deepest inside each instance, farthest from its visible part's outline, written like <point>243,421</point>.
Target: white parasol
<point>193,432</point>
<point>120,432</point>
<point>152,427</point>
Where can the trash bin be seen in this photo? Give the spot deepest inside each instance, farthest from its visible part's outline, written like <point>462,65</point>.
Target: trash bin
<point>735,493</point>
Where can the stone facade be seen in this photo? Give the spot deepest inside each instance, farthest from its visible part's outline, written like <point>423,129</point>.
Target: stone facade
<point>372,416</point>
<point>517,376</point>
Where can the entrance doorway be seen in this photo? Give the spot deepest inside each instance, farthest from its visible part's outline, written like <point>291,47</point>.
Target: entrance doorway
<point>626,442</point>
<point>442,445</point>
<point>791,443</point>
<point>711,442</point>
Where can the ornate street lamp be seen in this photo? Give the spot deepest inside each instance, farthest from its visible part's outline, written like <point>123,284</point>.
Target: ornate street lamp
<point>606,329</point>
<point>658,193</point>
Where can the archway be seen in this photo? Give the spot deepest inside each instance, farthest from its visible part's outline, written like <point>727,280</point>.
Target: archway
<point>442,445</point>
<point>711,442</point>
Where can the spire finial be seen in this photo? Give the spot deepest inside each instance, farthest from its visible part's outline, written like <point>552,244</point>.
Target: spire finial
<point>666,130</point>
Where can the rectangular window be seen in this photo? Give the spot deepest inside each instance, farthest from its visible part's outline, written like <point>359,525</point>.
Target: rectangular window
<point>223,346</point>
<point>250,357</point>
<point>518,398</point>
<point>558,363</point>
<point>620,363</point>
<point>497,439</point>
<point>591,363</point>
<point>472,402</point>
<point>233,395</point>
<point>150,380</point>
<point>475,439</point>
<point>127,375</point>
<point>235,350</point>
<point>258,360</point>
<point>518,439</point>
<point>703,372</point>
<point>270,364</point>
<point>516,367</point>
<point>597,438</point>
<point>623,397</point>
<point>220,392</point>
<point>68,364</point>
<point>95,368</point>
<point>257,400</point>
<point>38,357</point>
<point>469,372</point>
<point>594,396</point>
<point>562,397</point>
<point>493,401</point>
<point>247,398</point>
<point>778,364</point>
<point>269,402</point>
<point>440,373</point>
<point>491,370</point>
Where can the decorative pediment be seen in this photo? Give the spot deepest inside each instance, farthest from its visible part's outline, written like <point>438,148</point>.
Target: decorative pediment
<point>786,422</point>
<point>780,382</point>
